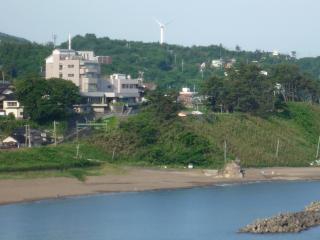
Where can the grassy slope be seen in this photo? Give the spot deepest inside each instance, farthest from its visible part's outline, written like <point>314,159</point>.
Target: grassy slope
<point>252,139</point>
<point>50,158</point>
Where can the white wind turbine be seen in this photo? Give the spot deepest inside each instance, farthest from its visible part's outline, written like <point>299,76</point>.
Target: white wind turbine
<point>162,28</point>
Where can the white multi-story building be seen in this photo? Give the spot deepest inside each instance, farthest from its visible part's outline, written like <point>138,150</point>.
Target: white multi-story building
<point>80,67</point>
<point>83,68</point>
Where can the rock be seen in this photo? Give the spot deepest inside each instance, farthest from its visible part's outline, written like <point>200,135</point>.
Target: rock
<point>287,222</point>
<point>233,170</point>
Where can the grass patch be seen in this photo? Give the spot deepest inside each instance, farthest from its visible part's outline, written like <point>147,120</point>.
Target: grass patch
<point>60,158</point>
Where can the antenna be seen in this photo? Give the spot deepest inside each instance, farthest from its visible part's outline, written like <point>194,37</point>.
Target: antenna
<point>54,39</point>
<point>69,41</point>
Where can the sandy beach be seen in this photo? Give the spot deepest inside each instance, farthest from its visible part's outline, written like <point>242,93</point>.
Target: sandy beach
<point>137,179</point>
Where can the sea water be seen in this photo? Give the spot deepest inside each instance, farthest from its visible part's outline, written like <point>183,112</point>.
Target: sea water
<point>189,214</point>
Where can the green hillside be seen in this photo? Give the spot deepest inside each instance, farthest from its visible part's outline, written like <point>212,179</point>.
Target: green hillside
<point>167,65</point>
<point>152,140</point>
<point>170,66</point>
<point>12,39</point>
<point>144,139</point>
<point>20,59</point>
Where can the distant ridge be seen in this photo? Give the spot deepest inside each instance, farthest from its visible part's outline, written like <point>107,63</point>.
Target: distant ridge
<point>168,65</point>
<point>9,38</point>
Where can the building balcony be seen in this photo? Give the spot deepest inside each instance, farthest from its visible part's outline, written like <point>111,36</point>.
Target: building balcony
<point>86,80</point>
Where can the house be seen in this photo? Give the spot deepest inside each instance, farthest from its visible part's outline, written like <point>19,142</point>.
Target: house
<point>217,63</point>
<point>265,73</point>
<point>8,102</point>
<point>34,138</point>
<point>83,68</point>
<point>12,106</point>
<point>10,142</point>
<point>230,63</point>
<point>149,86</point>
<point>5,90</point>
<point>186,97</point>
<point>275,53</point>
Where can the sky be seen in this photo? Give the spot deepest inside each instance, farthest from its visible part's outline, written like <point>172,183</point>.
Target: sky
<point>283,25</point>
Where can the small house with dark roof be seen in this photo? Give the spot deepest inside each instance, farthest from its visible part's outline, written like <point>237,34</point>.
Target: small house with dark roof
<point>37,137</point>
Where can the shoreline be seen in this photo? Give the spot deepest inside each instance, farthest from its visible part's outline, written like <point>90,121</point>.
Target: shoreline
<point>138,180</point>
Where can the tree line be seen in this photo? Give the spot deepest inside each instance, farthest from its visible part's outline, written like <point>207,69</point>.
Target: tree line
<point>247,88</point>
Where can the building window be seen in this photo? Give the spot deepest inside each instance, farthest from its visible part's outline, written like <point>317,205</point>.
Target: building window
<point>70,75</point>
<point>60,67</point>
<point>60,75</point>
<point>71,66</point>
<point>12,104</point>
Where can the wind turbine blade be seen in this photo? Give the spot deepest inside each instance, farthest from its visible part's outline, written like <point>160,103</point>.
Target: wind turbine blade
<point>166,24</point>
<point>157,21</point>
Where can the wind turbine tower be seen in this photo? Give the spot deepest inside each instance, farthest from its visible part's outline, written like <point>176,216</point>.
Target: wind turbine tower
<point>162,28</point>
<point>69,47</point>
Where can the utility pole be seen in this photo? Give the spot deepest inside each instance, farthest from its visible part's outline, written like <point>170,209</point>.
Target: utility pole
<point>27,136</point>
<point>318,148</point>
<point>277,150</point>
<point>55,132</point>
<point>182,65</point>
<point>77,131</point>
<point>113,153</point>
<point>225,151</point>
<point>78,147</point>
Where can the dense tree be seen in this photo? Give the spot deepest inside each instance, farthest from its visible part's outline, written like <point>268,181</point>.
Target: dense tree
<point>295,85</point>
<point>19,59</point>
<point>244,89</point>
<point>247,89</point>
<point>47,100</point>
<point>164,105</point>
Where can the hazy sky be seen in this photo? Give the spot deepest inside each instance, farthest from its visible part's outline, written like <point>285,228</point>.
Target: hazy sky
<point>283,25</point>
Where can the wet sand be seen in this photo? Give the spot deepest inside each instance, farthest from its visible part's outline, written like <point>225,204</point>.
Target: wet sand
<point>137,179</point>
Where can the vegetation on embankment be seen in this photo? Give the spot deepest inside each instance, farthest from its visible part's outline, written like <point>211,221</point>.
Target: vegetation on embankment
<point>148,138</point>
<point>61,157</point>
<point>152,138</point>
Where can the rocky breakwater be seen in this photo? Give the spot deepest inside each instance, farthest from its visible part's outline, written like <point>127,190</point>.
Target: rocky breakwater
<point>287,222</point>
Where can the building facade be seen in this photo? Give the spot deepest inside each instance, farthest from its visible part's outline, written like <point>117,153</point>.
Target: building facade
<point>83,68</point>
<point>80,67</point>
<point>8,102</point>
<point>13,107</point>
